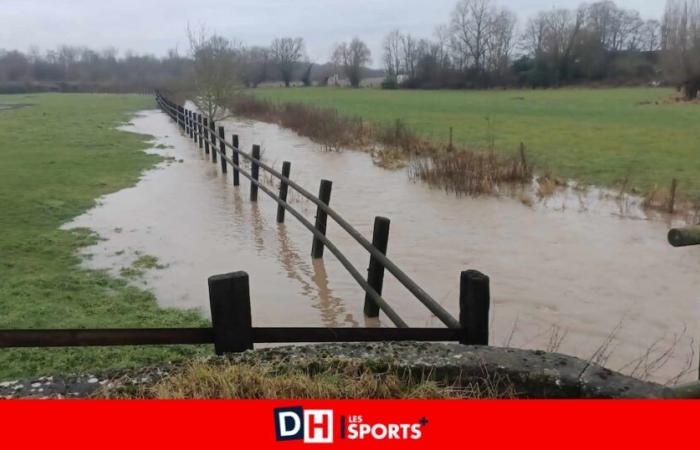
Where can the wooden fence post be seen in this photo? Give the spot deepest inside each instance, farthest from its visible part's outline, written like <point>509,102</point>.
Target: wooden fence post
<point>212,137</point>
<point>324,194</point>
<point>672,200</point>
<point>222,147</point>
<point>187,122</point>
<point>199,130</point>
<point>229,300</point>
<point>474,303</point>
<point>205,125</point>
<point>234,156</point>
<point>195,135</point>
<point>192,125</point>
<point>286,170</point>
<point>254,172</point>
<point>375,273</point>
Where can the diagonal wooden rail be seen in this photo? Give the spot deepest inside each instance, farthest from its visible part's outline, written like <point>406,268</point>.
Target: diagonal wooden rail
<point>179,114</point>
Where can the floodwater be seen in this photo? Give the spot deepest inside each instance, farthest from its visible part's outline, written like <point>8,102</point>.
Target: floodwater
<point>569,273</point>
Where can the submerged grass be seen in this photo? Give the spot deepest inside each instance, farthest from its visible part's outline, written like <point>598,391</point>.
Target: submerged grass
<point>56,158</point>
<point>595,136</point>
<point>455,169</point>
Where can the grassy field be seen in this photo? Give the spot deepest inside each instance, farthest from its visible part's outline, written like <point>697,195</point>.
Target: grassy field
<point>56,157</point>
<point>598,136</point>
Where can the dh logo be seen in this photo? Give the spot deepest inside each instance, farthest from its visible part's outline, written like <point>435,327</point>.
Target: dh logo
<point>314,426</point>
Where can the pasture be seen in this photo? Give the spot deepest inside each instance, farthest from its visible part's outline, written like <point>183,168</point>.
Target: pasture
<point>638,137</point>
<point>58,154</point>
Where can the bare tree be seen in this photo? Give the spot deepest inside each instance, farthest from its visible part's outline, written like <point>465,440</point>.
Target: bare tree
<point>392,55</point>
<point>681,35</point>
<point>255,65</point>
<point>409,55</point>
<point>650,36</point>
<point>352,58</point>
<point>470,22</point>
<point>533,38</point>
<point>500,42</point>
<point>306,74</point>
<point>217,76</point>
<point>562,30</point>
<point>286,53</point>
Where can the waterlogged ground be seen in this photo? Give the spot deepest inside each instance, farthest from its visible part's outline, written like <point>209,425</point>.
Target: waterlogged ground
<point>570,273</point>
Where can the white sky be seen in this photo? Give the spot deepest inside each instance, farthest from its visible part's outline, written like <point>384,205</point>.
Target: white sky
<point>154,26</point>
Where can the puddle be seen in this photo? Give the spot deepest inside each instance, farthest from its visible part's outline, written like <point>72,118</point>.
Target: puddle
<point>565,273</point>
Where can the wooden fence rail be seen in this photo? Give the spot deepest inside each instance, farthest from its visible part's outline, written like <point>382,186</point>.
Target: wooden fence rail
<point>177,113</point>
<point>232,329</point>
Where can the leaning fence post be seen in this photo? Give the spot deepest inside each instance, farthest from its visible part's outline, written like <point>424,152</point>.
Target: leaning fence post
<point>234,156</point>
<point>324,194</point>
<point>672,200</point>
<point>474,302</point>
<point>286,169</point>
<point>205,125</point>
<point>375,273</point>
<point>229,300</point>
<point>212,137</point>
<point>222,147</point>
<point>254,172</point>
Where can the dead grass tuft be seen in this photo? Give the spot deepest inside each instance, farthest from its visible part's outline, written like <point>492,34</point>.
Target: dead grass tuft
<point>458,170</point>
<point>219,379</point>
<point>468,172</point>
<point>322,125</point>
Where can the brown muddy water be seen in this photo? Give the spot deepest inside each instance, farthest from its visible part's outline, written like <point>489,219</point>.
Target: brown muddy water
<point>569,273</point>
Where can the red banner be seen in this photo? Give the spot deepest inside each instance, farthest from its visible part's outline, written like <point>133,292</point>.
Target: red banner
<point>348,424</point>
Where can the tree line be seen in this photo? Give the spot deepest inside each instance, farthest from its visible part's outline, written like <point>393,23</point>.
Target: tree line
<point>482,46</point>
<point>80,69</point>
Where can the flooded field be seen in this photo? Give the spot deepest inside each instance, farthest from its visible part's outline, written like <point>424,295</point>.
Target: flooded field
<point>581,272</point>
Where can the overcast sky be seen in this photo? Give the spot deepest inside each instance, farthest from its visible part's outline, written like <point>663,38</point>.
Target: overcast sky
<point>154,26</point>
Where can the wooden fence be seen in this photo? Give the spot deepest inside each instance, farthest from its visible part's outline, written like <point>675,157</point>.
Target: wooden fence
<point>229,295</point>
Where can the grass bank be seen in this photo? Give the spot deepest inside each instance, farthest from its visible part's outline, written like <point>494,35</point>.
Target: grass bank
<point>57,156</point>
<point>258,378</point>
<point>597,136</point>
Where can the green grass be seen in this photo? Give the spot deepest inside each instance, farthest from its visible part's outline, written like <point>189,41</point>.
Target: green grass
<point>56,158</point>
<point>597,136</point>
